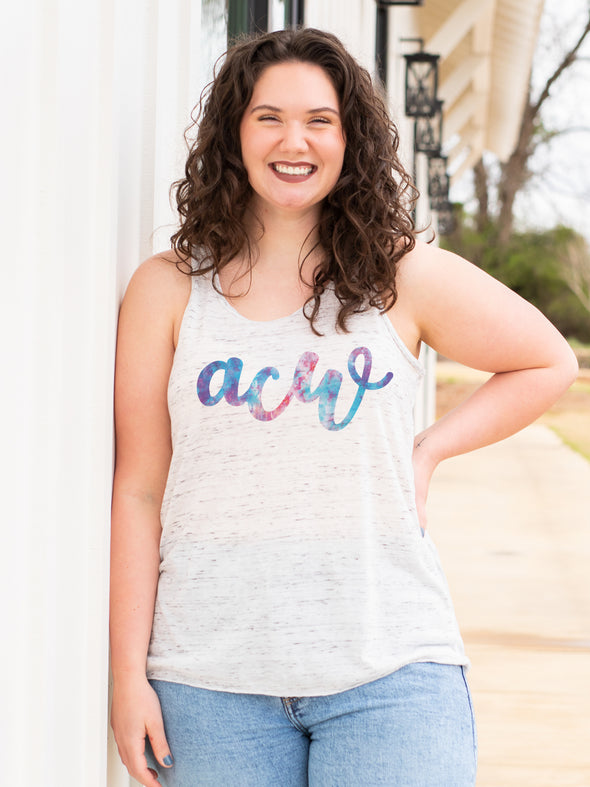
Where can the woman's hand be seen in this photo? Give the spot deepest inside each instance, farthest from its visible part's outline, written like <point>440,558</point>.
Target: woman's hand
<point>424,466</point>
<point>135,714</point>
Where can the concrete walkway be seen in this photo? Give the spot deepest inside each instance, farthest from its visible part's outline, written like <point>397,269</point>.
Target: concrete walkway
<point>512,525</point>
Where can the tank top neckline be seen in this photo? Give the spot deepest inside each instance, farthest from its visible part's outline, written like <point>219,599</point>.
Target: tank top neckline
<point>297,316</point>
<point>225,303</point>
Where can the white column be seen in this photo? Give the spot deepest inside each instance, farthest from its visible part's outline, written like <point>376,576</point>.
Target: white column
<point>59,320</point>
<point>96,97</point>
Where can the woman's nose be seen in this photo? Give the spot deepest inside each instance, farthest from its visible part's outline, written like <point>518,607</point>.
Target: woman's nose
<point>294,138</point>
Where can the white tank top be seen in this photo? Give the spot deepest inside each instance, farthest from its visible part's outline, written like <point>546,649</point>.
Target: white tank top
<point>292,561</point>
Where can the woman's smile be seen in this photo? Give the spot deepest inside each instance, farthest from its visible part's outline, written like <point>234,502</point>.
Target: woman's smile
<point>293,173</point>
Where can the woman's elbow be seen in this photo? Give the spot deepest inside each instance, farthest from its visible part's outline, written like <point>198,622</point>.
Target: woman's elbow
<point>567,366</point>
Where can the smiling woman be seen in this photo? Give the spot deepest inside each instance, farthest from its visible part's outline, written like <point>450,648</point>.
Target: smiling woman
<point>278,610</point>
<point>364,220</point>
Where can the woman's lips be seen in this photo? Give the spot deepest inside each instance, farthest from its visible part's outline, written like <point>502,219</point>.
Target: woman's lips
<point>293,173</point>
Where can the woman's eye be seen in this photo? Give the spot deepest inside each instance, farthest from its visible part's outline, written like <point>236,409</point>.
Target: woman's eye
<point>268,117</point>
<point>321,120</point>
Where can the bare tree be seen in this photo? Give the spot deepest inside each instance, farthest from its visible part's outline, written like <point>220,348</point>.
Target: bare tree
<point>515,172</point>
<point>481,183</point>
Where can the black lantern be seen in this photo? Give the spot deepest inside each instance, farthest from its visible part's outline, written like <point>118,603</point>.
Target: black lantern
<point>446,219</point>
<point>428,132</point>
<point>421,84</point>
<point>438,181</point>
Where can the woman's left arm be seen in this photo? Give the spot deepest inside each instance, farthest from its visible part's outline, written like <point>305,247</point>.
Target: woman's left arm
<point>469,317</point>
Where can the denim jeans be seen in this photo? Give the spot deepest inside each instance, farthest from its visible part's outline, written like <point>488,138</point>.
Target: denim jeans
<point>413,728</point>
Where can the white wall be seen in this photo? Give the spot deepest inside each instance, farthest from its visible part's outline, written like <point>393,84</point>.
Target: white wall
<point>59,271</point>
<point>96,100</point>
<point>353,21</point>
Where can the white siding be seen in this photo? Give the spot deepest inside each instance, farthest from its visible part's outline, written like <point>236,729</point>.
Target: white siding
<point>96,103</point>
<point>353,21</point>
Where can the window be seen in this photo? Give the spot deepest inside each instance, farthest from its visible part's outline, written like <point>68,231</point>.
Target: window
<point>250,16</point>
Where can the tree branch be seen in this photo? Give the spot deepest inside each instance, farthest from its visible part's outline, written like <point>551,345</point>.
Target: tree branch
<point>568,59</point>
<point>547,137</point>
<point>571,130</point>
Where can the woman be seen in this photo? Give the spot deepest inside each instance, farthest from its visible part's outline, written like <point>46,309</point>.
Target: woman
<point>270,564</point>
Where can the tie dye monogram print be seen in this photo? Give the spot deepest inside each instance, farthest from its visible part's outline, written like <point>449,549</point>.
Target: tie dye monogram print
<point>326,392</point>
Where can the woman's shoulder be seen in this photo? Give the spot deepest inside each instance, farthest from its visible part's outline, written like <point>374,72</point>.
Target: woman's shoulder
<point>165,269</point>
<point>164,278</point>
<point>428,272</point>
<point>412,272</point>
<point>422,255</point>
<point>159,289</point>
<point>428,280</point>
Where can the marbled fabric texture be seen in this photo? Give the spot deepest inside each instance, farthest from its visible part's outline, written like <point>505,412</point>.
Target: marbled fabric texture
<point>292,561</point>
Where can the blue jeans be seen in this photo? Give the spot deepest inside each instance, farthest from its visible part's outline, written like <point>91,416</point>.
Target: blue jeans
<point>413,728</point>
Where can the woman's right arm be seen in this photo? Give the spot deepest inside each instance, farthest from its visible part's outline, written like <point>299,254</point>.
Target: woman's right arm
<point>148,324</point>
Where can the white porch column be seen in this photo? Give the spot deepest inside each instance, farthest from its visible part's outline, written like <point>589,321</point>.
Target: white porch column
<point>96,98</point>
<point>59,314</point>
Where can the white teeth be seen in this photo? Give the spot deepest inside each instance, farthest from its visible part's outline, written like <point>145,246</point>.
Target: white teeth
<point>285,170</point>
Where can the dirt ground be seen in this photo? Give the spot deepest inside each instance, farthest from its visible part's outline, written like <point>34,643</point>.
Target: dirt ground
<point>569,417</point>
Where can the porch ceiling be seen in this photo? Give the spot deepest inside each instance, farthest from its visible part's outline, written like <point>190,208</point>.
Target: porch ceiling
<point>486,49</point>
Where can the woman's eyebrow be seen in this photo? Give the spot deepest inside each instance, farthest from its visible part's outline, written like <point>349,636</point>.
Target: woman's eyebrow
<point>270,108</point>
<point>324,109</point>
<point>266,107</point>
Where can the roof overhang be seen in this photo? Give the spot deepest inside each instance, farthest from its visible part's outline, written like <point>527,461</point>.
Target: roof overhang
<point>486,49</point>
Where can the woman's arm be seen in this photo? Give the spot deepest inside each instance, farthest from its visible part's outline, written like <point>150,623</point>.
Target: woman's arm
<point>469,317</point>
<point>148,321</point>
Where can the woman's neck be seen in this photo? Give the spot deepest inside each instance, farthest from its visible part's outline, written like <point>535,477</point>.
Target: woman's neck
<point>282,241</point>
<point>278,279</point>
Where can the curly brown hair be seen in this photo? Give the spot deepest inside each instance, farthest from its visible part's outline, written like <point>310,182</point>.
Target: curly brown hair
<point>366,223</point>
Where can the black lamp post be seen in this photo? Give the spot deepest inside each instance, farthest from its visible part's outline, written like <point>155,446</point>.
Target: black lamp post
<point>421,84</point>
<point>425,107</point>
<point>428,132</point>
<point>438,181</point>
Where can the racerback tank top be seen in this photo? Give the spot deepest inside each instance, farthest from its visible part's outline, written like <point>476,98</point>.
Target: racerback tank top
<point>292,561</point>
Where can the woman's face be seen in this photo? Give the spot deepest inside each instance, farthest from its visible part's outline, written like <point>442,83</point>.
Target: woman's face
<point>292,138</point>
